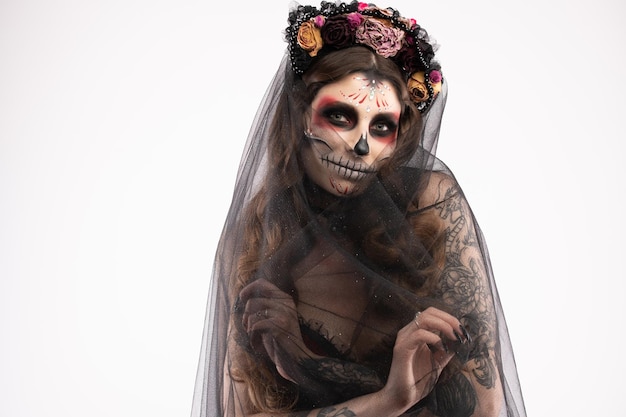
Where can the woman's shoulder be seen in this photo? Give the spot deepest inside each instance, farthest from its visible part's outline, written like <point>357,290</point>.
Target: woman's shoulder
<point>414,189</point>
<point>432,187</point>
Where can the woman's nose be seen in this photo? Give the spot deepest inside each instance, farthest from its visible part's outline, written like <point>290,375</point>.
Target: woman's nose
<point>361,147</point>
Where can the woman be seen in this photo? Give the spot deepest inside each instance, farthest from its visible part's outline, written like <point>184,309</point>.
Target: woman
<point>351,278</point>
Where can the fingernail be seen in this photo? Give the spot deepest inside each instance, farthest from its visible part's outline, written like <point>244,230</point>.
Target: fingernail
<point>458,336</point>
<point>237,305</point>
<point>466,333</point>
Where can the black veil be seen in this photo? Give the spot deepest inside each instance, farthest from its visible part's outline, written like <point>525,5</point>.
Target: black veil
<point>376,248</point>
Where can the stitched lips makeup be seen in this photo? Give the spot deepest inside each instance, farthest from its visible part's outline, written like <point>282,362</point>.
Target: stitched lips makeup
<point>349,169</point>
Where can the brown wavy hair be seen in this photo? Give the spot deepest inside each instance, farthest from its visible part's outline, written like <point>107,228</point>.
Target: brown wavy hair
<point>278,210</point>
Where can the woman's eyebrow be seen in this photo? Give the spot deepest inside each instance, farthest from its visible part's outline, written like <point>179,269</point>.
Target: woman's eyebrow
<point>327,101</point>
<point>334,104</point>
<point>393,115</point>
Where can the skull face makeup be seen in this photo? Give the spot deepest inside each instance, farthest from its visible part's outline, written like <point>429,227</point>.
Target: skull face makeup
<point>353,127</point>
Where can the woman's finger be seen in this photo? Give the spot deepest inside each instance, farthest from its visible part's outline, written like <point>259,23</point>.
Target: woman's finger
<point>436,324</point>
<point>438,320</point>
<point>254,309</point>
<point>411,338</point>
<point>262,288</point>
<point>262,308</point>
<point>421,337</point>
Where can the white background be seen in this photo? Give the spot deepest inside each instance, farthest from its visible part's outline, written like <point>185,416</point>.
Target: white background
<point>121,128</point>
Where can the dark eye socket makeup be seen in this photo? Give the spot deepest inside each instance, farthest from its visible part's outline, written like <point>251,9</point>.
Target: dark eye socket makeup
<point>345,116</point>
<point>383,126</point>
<point>339,114</point>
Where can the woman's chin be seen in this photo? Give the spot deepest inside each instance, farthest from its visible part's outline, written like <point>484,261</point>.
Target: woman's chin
<point>346,188</point>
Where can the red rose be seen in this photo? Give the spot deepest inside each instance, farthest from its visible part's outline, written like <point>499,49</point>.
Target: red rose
<point>408,59</point>
<point>337,32</point>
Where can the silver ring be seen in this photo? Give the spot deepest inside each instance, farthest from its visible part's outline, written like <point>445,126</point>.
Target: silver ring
<point>415,319</point>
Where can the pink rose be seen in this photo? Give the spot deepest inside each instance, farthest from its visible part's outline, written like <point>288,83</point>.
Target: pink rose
<point>362,6</point>
<point>383,39</point>
<point>434,77</point>
<point>319,21</point>
<point>355,19</point>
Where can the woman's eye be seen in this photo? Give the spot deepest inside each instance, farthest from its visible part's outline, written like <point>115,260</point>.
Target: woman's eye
<point>382,128</point>
<point>338,118</point>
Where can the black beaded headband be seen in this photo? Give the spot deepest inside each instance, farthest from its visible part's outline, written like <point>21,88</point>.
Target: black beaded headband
<point>336,26</point>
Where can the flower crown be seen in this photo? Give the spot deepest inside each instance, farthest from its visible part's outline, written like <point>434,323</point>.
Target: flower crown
<point>335,26</point>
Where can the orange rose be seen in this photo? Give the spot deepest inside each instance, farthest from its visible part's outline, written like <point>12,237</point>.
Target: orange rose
<point>407,22</point>
<point>310,38</point>
<point>417,87</point>
<point>385,12</point>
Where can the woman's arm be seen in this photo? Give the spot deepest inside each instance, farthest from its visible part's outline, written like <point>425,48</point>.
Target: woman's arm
<point>374,405</point>
<point>465,287</point>
<point>420,353</point>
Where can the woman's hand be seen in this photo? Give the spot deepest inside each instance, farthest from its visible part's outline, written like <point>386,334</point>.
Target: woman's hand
<point>271,321</point>
<point>422,350</point>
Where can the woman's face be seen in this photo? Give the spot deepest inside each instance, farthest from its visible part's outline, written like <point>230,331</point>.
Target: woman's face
<point>352,128</point>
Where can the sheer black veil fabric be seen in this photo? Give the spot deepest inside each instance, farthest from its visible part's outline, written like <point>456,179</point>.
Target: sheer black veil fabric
<point>364,245</point>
